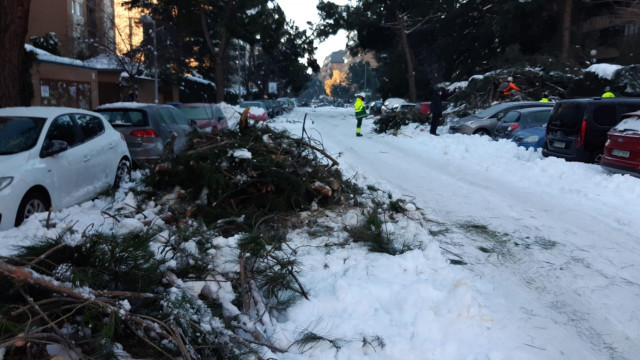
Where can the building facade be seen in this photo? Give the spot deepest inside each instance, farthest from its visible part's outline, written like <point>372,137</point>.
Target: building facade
<point>85,28</point>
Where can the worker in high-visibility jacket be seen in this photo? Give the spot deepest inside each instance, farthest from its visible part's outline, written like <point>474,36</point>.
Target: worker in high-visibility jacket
<point>361,113</point>
<point>608,93</point>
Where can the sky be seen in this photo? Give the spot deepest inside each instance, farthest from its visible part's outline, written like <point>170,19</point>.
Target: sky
<point>301,11</point>
<point>513,255</point>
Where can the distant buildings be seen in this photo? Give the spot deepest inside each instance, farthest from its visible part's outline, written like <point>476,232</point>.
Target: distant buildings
<point>335,67</point>
<point>95,30</point>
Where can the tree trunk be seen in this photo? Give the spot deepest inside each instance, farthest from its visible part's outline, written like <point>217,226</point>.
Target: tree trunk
<point>221,59</point>
<point>566,31</point>
<point>411,75</point>
<point>14,23</point>
<point>220,55</point>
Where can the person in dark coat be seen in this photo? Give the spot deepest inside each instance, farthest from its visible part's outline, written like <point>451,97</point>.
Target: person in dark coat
<point>436,110</point>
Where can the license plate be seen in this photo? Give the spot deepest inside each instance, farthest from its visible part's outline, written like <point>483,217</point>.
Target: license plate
<point>620,153</point>
<point>558,144</point>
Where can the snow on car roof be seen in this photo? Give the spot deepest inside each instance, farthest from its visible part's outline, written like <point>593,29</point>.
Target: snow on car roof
<point>40,111</point>
<point>128,105</point>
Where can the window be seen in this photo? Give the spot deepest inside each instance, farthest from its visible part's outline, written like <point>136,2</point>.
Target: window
<point>63,129</point>
<point>18,134</point>
<point>178,117</point>
<point>91,126</point>
<point>76,8</point>
<point>605,115</point>
<point>632,28</point>
<point>165,116</point>
<point>125,117</point>
<point>511,117</point>
<point>219,113</point>
<point>541,117</point>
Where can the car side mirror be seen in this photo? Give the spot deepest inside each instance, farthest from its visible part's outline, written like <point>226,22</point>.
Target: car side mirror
<point>53,147</point>
<point>193,122</point>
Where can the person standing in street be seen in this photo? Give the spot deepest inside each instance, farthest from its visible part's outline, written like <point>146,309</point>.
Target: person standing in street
<point>361,113</point>
<point>436,110</point>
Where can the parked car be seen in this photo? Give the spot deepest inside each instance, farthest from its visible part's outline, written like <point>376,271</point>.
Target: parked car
<point>269,105</point>
<point>577,128</point>
<point>257,110</point>
<point>425,107</point>
<point>521,119</point>
<point>622,148</point>
<point>389,103</point>
<point>148,128</point>
<point>55,157</point>
<point>208,117</point>
<point>375,107</point>
<point>485,121</point>
<point>286,104</point>
<point>531,137</point>
<point>405,107</point>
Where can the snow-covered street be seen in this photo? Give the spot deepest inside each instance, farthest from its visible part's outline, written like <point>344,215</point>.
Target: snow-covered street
<point>551,247</point>
<point>513,256</point>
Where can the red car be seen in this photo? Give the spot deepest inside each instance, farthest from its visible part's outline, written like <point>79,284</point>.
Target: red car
<point>622,149</point>
<point>257,110</point>
<point>207,117</point>
<point>425,107</point>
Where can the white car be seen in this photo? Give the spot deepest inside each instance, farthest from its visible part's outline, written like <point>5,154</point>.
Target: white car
<point>55,157</point>
<point>388,104</point>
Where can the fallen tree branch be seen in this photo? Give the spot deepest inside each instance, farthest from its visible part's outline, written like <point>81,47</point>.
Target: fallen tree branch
<point>302,142</point>
<point>293,275</point>
<point>208,147</point>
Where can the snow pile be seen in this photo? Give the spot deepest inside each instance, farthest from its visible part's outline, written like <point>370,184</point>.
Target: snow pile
<point>605,71</point>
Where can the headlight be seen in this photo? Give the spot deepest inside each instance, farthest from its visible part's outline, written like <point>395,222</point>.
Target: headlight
<point>5,181</point>
<point>532,138</point>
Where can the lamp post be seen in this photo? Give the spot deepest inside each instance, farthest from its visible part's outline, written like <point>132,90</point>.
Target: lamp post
<point>146,19</point>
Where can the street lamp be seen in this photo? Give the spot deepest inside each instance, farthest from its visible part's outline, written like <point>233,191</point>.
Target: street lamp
<point>146,19</point>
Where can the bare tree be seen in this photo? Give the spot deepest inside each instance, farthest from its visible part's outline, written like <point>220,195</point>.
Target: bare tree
<point>566,30</point>
<point>404,26</point>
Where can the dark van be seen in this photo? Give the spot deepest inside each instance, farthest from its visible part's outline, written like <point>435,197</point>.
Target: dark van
<point>577,128</point>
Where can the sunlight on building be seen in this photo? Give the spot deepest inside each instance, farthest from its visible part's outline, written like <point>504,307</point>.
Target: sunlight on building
<point>338,78</point>
<point>127,27</point>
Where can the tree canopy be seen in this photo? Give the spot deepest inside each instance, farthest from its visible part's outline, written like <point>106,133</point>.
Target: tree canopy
<point>419,43</point>
<point>202,34</point>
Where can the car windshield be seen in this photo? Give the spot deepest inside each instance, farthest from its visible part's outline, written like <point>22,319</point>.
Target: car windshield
<point>197,112</point>
<point>629,124</point>
<point>568,115</point>
<point>127,117</point>
<point>18,134</point>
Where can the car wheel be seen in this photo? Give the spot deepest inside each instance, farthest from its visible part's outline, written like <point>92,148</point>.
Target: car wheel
<point>34,201</point>
<point>481,132</point>
<point>123,173</point>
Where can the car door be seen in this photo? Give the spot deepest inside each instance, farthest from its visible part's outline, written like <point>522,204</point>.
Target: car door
<point>99,148</point>
<point>68,169</point>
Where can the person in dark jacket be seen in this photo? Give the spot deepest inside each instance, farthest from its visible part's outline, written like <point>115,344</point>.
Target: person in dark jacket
<point>436,110</point>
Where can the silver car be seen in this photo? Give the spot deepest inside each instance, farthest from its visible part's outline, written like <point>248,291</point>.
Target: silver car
<point>148,128</point>
<point>485,121</point>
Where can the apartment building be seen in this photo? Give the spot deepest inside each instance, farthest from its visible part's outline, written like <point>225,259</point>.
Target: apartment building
<point>85,28</point>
